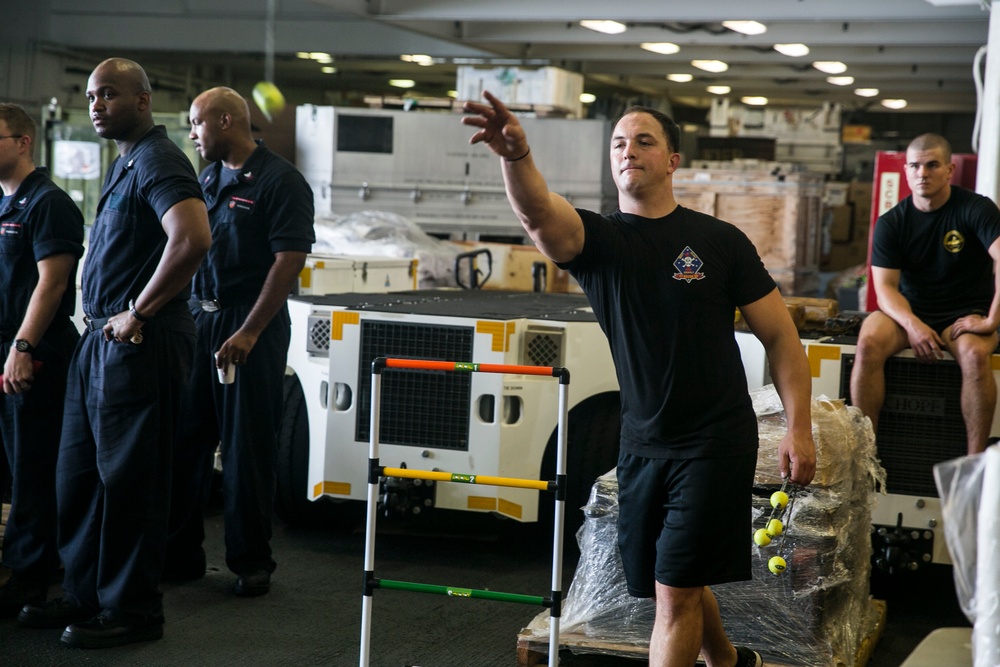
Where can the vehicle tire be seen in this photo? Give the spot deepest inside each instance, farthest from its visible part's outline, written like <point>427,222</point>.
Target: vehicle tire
<point>292,468</point>
<point>592,450</point>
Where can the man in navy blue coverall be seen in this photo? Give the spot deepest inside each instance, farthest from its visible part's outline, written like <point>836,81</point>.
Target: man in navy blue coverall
<point>261,212</point>
<point>127,374</point>
<point>41,239</point>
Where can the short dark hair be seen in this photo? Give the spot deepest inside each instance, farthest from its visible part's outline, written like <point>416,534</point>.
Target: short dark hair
<point>930,141</point>
<point>670,129</point>
<point>18,121</point>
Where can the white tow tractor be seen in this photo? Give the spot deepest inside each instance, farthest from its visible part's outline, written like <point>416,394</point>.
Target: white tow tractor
<point>479,424</point>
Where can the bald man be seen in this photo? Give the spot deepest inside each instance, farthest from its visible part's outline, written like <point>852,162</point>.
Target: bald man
<point>127,374</point>
<point>261,212</point>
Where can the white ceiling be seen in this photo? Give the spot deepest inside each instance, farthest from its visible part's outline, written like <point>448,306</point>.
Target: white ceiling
<point>919,50</point>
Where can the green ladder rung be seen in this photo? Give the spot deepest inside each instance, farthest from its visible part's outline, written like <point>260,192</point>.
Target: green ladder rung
<point>453,591</point>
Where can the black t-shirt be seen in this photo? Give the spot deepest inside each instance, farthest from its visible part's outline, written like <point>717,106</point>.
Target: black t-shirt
<point>945,267</point>
<point>665,292</point>
<point>37,221</point>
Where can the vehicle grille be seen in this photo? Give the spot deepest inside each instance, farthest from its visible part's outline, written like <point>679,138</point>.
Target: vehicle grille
<point>418,408</point>
<point>319,335</point>
<point>543,347</point>
<point>920,424</point>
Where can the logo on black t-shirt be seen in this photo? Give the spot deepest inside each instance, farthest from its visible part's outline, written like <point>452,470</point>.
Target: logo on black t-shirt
<point>10,229</point>
<point>954,241</point>
<point>688,265</point>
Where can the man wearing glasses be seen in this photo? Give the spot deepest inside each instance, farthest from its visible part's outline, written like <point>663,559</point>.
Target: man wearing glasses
<point>41,240</point>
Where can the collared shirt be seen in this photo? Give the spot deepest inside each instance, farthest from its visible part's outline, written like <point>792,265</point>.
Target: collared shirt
<point>267,208</point>
<point>37,221</point>
<point>128,239</point>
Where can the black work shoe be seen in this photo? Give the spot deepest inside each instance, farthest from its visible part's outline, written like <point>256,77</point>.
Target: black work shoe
<point>57,613</point>
<point>253,584</point>
<point>19,591</point>
<point>748,658</point>
<point>103,631</point>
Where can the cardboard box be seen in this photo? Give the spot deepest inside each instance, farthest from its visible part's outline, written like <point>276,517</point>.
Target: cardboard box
<point>839,221</point>
<point>845,255</point>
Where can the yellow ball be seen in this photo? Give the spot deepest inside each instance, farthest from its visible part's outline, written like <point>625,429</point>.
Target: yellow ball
<point>776,565</point>
<point>761,538</point>
<point>268,99</point>
<point>779,499</point>
<point>775,527</point>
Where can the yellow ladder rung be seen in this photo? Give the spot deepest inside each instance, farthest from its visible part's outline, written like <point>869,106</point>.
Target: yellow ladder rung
<point>440,476</point>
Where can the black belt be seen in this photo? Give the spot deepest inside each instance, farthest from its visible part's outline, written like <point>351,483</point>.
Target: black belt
<point>95,323</point>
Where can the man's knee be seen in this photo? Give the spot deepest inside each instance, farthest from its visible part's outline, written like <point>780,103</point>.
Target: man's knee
<point>678,602</point>
<point>880,338</point>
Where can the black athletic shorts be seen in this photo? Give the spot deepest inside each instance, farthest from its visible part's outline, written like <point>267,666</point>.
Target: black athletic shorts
<point>684,522</point>
<point>940,322</point>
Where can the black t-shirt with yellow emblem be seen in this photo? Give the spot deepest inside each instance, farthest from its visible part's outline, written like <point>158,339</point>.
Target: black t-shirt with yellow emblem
<point>946,269</point>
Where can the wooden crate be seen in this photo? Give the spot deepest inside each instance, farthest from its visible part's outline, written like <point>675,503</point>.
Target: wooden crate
<point>532,651</point>
<point>781,214</point>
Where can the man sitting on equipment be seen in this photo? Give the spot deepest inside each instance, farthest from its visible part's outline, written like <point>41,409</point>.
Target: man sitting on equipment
<point>935,262</point>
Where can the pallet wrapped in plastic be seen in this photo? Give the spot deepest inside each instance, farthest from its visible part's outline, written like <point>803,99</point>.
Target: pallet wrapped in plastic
<point>818,612</point>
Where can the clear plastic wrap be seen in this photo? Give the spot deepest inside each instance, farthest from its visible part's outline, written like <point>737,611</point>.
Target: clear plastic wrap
<point>969,488</point>
<point>385,234</point>
<point>816,613</point>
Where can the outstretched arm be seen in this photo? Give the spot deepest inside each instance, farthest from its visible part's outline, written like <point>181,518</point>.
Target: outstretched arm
<point>551,221</point>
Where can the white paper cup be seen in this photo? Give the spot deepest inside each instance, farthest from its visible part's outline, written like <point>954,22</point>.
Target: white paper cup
<point>227,377</point>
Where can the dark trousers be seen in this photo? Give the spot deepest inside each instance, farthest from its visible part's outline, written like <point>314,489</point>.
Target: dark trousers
<point>242,419</point>
<point>113,475</point>
<point>30,425</point>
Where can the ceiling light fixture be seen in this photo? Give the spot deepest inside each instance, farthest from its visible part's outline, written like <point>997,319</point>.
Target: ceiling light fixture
<point>418,59</point>
<point>588,98</point>
<point>745,27</point>
<point>754,100</point>
<point>866,92</point>
<point>328,70</point>
<point>402,83</point>
<point>894,104</point>
<point>607,27</point>
<point>719,90</point>
<point>715,66</point>
<point>830,66</point>
<point>663,48</point>
<point>840,80</point>
<point>680,78</point>
<point>792,50</point>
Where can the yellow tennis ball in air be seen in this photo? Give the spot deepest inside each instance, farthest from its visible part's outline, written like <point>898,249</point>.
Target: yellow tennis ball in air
<point>775,527</point>
<point>268,99</point>
<point>776,565</point>
<point>779,499</point>
<point>761,538</point>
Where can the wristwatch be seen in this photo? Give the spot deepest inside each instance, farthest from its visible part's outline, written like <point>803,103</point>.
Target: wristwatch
<point>21,345</point>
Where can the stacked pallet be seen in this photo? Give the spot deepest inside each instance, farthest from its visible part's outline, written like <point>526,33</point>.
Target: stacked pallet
<point>818,613</point>
<point>780,213</point>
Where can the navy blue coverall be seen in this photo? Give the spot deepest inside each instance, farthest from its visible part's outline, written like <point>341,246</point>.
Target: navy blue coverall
<point>122,399</point>
<point>262,209</point>
<point>39,220</point>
